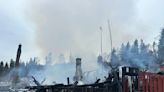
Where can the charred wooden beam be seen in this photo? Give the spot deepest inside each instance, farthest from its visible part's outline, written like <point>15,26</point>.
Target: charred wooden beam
<point>18,55</point>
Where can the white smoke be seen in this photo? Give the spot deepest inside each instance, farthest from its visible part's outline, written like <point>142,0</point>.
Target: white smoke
<point>73,26</point>
<point>138,55</point>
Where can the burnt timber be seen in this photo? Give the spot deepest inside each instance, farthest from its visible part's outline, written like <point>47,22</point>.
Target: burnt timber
<point>100,87</point>
<point>130,80</point>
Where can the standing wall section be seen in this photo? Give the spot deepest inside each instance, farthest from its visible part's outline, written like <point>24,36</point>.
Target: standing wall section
<point>150,82</point>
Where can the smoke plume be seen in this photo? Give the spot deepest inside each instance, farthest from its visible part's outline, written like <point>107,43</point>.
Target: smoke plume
<point>73,26</point>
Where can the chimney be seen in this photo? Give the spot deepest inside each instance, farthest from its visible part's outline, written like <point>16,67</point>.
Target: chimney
<point>18,55</point>
<point>68,81</point>
<point>78,74</point>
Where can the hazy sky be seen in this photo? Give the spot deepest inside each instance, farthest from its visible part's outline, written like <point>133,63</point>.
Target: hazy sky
<point>72,26</point>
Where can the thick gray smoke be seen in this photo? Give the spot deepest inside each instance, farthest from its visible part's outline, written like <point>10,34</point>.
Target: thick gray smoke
<point>73,26</point>
<point>76,24</point>
<point>137,55</point>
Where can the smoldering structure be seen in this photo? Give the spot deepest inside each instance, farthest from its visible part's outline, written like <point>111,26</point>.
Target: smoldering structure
<point>133,76</point>
<point>142,71</point>
<point>78,74</point>
<point>123,79</point>
<point>120,79</point>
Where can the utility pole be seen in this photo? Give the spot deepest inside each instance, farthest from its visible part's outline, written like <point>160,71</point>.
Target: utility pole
<point>101,40</point>
<point>110,33</point>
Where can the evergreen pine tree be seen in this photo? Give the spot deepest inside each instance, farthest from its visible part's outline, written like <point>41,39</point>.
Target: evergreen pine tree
<point>161,48</point>
<point>12,64</point>
<point>6,69</point>
<point>128,46</point>
<point>144,55</point>
<point>49,59</point>
<point>61,58</point>
<point>143,47</point>
<point>123,53</point>
<point>1,68</point>
<point>134,54</point>
<point>114,59</point>
<point>135,48</point>
<point>6,66</point>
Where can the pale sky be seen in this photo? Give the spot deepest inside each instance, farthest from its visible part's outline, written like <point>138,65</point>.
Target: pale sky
<point>72,26</point>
